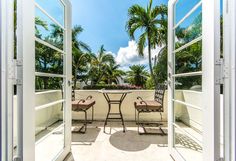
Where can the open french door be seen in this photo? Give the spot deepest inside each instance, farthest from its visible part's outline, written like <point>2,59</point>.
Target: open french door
<point>194,83</point>
<point>53,79</point>
<point>24,45</point>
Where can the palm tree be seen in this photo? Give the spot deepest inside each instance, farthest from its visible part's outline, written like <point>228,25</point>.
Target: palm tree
<point>41,23</point>
<point>146,20</point>
<point>81,53</point>
<point>113,73</point>
<point>137,75</point>
<point>99,64</point>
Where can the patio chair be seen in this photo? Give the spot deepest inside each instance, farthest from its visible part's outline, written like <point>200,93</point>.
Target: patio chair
<point>148,106</point>
<point>83,105</point>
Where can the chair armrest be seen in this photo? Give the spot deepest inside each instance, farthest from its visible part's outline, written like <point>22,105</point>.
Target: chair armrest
<point>143,102</point>
<point>81,100</point>
<point>139,98</point>
<point>89,97</point>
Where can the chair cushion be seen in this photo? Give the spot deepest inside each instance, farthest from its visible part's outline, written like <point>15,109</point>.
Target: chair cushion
<point>78,105</point>
<point>148,106</point>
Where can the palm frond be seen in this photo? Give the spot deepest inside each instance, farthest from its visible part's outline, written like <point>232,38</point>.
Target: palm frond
<point>141,44</point>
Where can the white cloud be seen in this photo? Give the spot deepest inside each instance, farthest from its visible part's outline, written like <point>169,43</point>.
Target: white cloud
<point>128,56</point>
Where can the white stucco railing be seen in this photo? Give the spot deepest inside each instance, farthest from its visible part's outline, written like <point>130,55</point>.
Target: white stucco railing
<point>127,108</point>
<point>46,116</point>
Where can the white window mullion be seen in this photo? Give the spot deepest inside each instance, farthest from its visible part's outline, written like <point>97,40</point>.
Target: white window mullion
<point>190,74</point>
<point>49,45</point>
<point>188,44</point>
<point>188,14</point>
<point>170,78</point>
<point>40,74</point>
<point>49,16</point>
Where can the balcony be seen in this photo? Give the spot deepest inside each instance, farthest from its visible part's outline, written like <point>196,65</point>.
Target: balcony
<point>114,143</point>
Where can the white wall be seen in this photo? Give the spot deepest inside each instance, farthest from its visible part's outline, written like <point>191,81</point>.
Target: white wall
<point>101,106</point>
<point>47,116</point>
<point>187,114</point>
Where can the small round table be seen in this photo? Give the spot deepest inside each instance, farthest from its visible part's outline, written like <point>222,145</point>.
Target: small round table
<point>107,94</point>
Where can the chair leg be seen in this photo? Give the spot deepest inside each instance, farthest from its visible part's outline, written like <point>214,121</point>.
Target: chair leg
<point>138,122</point>
<point>85,124</point>
<point>145,132</point>
<point>161,116</point>
<point>108,113</point>
<point>92,113</point>
<point>122,119</point>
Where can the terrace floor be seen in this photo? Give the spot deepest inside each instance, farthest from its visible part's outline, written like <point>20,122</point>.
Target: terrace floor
<point>114,145</point>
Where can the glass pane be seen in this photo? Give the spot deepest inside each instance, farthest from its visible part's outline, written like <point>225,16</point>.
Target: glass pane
<point>48,60</point>
<point>192,83</point>
<point>189,59</point>
<point>191,97</point>
<point>49,134</point>
<point>188,146</point>
<point>189,116</point>
<point>56,10</point>
<point>48,93</point>
<point>189,29</point>
<point>180,12</point>
<point>47,30</point>
<point>49,119</point>
<point>43,84</point>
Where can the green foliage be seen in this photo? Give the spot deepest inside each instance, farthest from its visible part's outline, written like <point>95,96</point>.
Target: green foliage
<point>100,65</point>
<point>190,58</point>
<point>111,87</point>
<point>137,75</point>
<point>160,68</point>
<point>112,74</point>
<point>150,84</point>
<point>81,54</point>
<point>152,23</point>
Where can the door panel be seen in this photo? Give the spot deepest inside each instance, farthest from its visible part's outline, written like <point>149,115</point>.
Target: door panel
<point>53,65</point>
<point>193,92</point>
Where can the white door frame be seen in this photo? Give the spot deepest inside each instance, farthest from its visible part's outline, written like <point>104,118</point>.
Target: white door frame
<point>68,71</point>
<point>210,78</point>
<point>25,73</point>
<point>229,28</point>
<point>7,51</point>
<point>2,81</point>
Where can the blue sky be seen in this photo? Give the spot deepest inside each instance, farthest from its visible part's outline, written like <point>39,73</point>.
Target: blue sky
<point>104,24</point>
<point>104,21</point>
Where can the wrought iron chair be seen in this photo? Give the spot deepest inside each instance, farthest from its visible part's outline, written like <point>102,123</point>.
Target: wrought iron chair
<point>148,106</point>
<point>83,105</point>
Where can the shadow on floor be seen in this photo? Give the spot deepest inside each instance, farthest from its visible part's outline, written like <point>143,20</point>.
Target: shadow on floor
<point>187,142</point>
<point>69,157</point>
<point>86,139</point>
<point>132,141</point>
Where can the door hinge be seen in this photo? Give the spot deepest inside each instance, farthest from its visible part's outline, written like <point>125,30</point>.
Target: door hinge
<point>17,159</point>
<point>223,74</point>
<point>13,71</point>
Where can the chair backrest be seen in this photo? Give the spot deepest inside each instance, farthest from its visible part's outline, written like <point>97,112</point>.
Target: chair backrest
<point>159,93</point>
<point>73,95</point>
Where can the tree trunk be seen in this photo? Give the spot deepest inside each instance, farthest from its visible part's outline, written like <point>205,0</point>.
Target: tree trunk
<point>150,61</point>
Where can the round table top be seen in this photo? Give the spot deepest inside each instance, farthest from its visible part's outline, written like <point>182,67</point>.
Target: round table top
<point>115,91</point>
